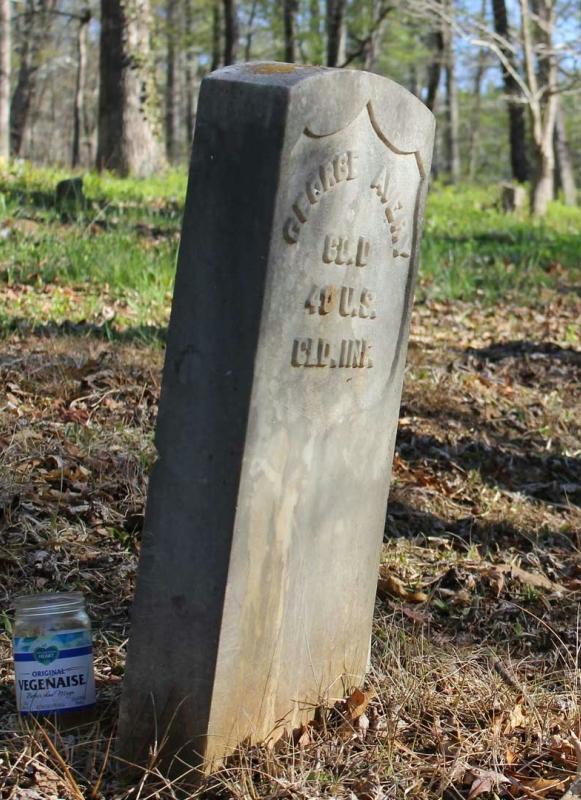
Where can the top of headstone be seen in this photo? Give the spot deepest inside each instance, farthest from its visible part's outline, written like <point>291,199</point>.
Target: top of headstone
<point>271,72</point>
<point>277,73</point>
<point>407,123</point>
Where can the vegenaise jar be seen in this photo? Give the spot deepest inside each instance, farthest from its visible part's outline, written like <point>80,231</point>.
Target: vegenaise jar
<point>53,657</point>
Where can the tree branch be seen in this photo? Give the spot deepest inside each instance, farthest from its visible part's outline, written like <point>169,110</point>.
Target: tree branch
<point>363,43</point>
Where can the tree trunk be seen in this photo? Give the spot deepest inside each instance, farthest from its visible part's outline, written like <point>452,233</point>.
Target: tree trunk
<point>435,68</point>
<point>543,183</point>
<point>516,111</point>
<point>335,32</point>
<point>216,36</point>
<point>22,95</point>
<point>452,114</point>
<point>290,8</point>
<point>371,45</point>
<point>316,39</point>
<point>5,53</point>
<point>414,81</point>
<point>474,136</point>
<point>35,35</point>
<point>79,105</point>
<point>230,32</point>
<point>189,72</point>
<point>543,103</point>
<point>474,139</point>
<point>128,125</point>
<point>250,31</point>
<point>564,161</point>
<point>170,80</point>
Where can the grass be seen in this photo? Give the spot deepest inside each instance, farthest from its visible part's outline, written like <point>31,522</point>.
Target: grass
<point>473,250</point>
<point>112,264</point>
<point>475,682</point>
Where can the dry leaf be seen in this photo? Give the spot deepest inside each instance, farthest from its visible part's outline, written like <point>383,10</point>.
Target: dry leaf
<point>461,598</point>
<point>363,725</point>
<point>379,725</point>
<point>494,572</point>
<point>390,585</point>
<point>357,703</point>
<point>421,617</point>
<point>534,579</point>
<point>368,789</point>
<point>541,786</point>
<point>302,736</point>
<point>496,579</point>
<point>346,732</point>
<point>516,719</point>
<point>29,794</point>
<point>485,781</point>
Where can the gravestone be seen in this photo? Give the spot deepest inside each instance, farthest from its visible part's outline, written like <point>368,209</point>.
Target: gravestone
<point>513,196</point>
<point>279,406</point>
<point>70,197</point>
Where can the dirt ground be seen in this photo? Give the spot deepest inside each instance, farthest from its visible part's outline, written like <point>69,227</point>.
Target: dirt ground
<point>475,681</point>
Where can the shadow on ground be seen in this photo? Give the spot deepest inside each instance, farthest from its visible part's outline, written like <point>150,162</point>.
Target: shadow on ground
<point>511,425</point>
<point>147,334</point>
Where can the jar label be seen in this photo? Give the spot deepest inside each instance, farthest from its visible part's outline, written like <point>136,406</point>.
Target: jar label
<point>54,672</point>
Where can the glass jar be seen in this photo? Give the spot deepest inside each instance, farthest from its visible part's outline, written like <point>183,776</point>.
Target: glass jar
<point>53,657</point>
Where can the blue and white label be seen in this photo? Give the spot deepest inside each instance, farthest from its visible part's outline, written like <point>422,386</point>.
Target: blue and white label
<point>54,673</point>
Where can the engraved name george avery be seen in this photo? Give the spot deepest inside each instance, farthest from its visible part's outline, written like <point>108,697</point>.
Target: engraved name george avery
<point>329,174</point>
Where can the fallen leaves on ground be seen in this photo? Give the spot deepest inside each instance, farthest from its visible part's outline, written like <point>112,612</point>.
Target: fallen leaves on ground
<point>473,687</point>
<point>390,585</point>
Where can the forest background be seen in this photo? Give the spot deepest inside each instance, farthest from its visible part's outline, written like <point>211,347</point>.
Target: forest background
<point>115,83</point>
<point>474,686</point>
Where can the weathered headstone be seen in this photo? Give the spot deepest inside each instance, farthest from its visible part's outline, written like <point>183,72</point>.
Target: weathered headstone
<point>513,196</point>
<point>279,405</point>
<point>70,197</point>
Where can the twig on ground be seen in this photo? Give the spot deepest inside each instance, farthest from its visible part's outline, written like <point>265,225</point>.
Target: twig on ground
<point>508,677</point>
<point>574,791</point>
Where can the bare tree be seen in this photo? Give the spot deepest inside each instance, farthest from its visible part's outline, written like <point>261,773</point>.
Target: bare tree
<point>316,46</point>
<point>230,32</point>
<point>367,47</point>
<point>516,110</point>
<point>128,139</point>
<point>249,35</point>
<point>335,32</point>
<point>475,114</point>
<point>290,8</point>
<point>5,54</point>
<point>79,104</point>
<point>190,70</point>
<point>566,174</point>
<point>170,80</point>
<point>542,96</point>
<point>216,36</point>
<point>435,67</point>
<point>538,86</point>
<point>452,135</point>
<point>36,32</point>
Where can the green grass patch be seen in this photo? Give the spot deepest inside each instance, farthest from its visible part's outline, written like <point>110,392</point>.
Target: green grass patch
<point>471,249</point>
<point>112,263</point>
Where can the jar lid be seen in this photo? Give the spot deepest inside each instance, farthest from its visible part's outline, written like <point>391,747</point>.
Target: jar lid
<point>49,603</point>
